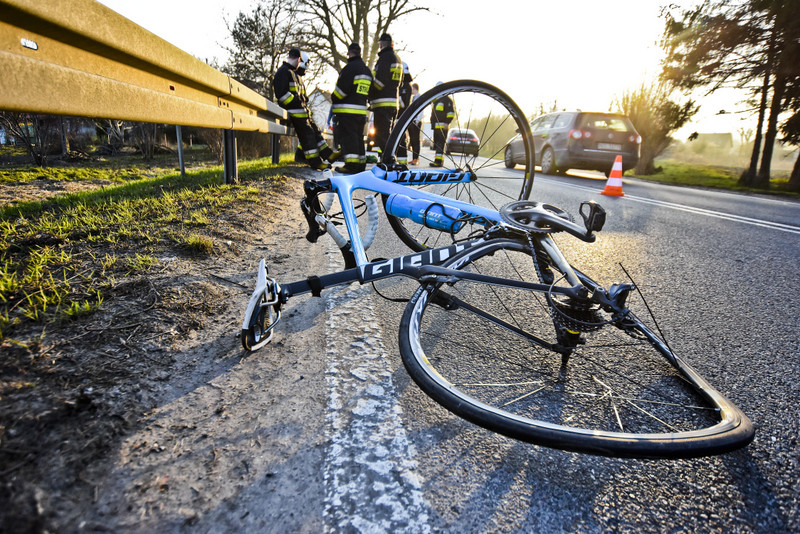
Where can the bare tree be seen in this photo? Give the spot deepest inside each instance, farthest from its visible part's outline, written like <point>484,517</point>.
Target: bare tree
<point>143,135</point>
<point>114,131</point>
<point>331,25</point>
<point>261,38</point>
<point>36,132</point>
<point>655,117</point>
<point>213,139</point>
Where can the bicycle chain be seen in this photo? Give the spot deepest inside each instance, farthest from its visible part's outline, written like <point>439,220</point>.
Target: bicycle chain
<point>567,315</point>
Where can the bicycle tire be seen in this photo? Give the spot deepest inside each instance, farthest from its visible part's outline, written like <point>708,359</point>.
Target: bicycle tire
<point>620,392</point>
<point>495,118</point>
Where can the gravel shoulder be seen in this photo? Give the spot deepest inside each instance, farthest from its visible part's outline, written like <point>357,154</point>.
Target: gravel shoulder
<point>172,424</point>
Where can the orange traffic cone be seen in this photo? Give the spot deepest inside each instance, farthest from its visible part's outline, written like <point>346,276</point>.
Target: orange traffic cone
<point>614,183</point>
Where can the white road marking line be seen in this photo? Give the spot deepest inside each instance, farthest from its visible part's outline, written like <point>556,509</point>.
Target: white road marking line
<point>700,211</point>
<point>371,482</point>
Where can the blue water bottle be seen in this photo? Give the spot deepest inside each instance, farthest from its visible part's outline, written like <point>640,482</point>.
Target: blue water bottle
<point>431,214</point>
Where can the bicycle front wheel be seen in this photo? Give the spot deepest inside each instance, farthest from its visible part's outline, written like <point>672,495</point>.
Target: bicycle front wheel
<point>487,135</point>
<point>502,358</point>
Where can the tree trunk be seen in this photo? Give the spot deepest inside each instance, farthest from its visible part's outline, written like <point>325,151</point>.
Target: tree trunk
<point>749,177</point>
<point>794,179</point>
<point>645,165</point>
<point>64,139</point>
<point>762,181</point>
<point>41,135</point>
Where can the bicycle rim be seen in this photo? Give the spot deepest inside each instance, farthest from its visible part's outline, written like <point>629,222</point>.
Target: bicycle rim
<point>495,119</point>
<point>482,352</point>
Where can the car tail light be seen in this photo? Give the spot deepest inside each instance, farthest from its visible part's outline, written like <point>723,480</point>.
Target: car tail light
<point>453,138</point>
<point>635,139</point>
<point>580,134</point>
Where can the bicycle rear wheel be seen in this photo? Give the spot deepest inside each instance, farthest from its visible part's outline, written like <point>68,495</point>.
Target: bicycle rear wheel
<point>497,357</point>
<point>494,119</point>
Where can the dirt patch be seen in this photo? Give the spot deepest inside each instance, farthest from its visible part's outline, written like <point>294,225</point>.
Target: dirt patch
<point>43,189</point>
<point>82,405</point>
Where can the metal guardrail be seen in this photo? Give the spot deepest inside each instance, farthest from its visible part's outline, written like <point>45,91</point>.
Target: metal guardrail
<point>80,58</point>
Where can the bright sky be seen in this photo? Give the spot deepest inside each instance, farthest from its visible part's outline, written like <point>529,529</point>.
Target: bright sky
<point>579,53</point>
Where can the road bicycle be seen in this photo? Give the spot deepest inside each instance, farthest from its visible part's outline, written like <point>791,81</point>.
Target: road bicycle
<point>502,331</point>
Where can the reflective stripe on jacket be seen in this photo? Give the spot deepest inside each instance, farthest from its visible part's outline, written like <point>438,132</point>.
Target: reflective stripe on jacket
<point>352,88</point>
<point>387,74</point>
<point>289,91</point>
<point>442,113</point>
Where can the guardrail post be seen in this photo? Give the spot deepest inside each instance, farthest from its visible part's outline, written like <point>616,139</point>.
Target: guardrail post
<point>229,156</point>
<point>180,149</point>
<point>276,148</point>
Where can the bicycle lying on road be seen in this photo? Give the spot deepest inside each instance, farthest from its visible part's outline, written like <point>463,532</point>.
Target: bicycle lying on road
<point>502,330</point>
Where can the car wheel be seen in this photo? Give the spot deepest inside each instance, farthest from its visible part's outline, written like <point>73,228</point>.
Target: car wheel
<point>509,159</point>
<point>549,162</point>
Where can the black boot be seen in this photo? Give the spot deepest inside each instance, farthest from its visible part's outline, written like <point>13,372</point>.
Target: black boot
<point>329,154</point>
<point>317,164</point>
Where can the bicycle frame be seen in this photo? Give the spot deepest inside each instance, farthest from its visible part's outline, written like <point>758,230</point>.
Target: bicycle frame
<point>420,265</point>
<point>387,182</point>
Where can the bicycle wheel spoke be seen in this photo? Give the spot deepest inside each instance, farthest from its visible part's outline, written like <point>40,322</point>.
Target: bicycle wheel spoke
<point>493,118</point>
<point>497,356</point>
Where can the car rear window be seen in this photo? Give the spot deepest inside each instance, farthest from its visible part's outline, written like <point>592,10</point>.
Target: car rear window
<point>598,121</point>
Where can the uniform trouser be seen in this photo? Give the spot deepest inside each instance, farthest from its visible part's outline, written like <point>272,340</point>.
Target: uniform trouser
<point>413,134</point>
<point>439,140</point>
<point>383,120</point>
<point>348,129</point>
<point>311,140</point>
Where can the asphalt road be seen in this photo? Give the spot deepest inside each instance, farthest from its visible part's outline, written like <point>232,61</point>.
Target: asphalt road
<point>721,273</point>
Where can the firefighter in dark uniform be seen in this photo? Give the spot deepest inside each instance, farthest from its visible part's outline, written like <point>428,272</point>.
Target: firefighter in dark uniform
<point>387,76</point>
<point>415,128</point>
<point>350,110</point>
<point>404,93</point>
<point>288,88</point>
<point>442,115</point>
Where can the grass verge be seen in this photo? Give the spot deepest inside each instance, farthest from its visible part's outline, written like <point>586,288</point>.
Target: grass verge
<point>683,174</point>
<point>59,258</point>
